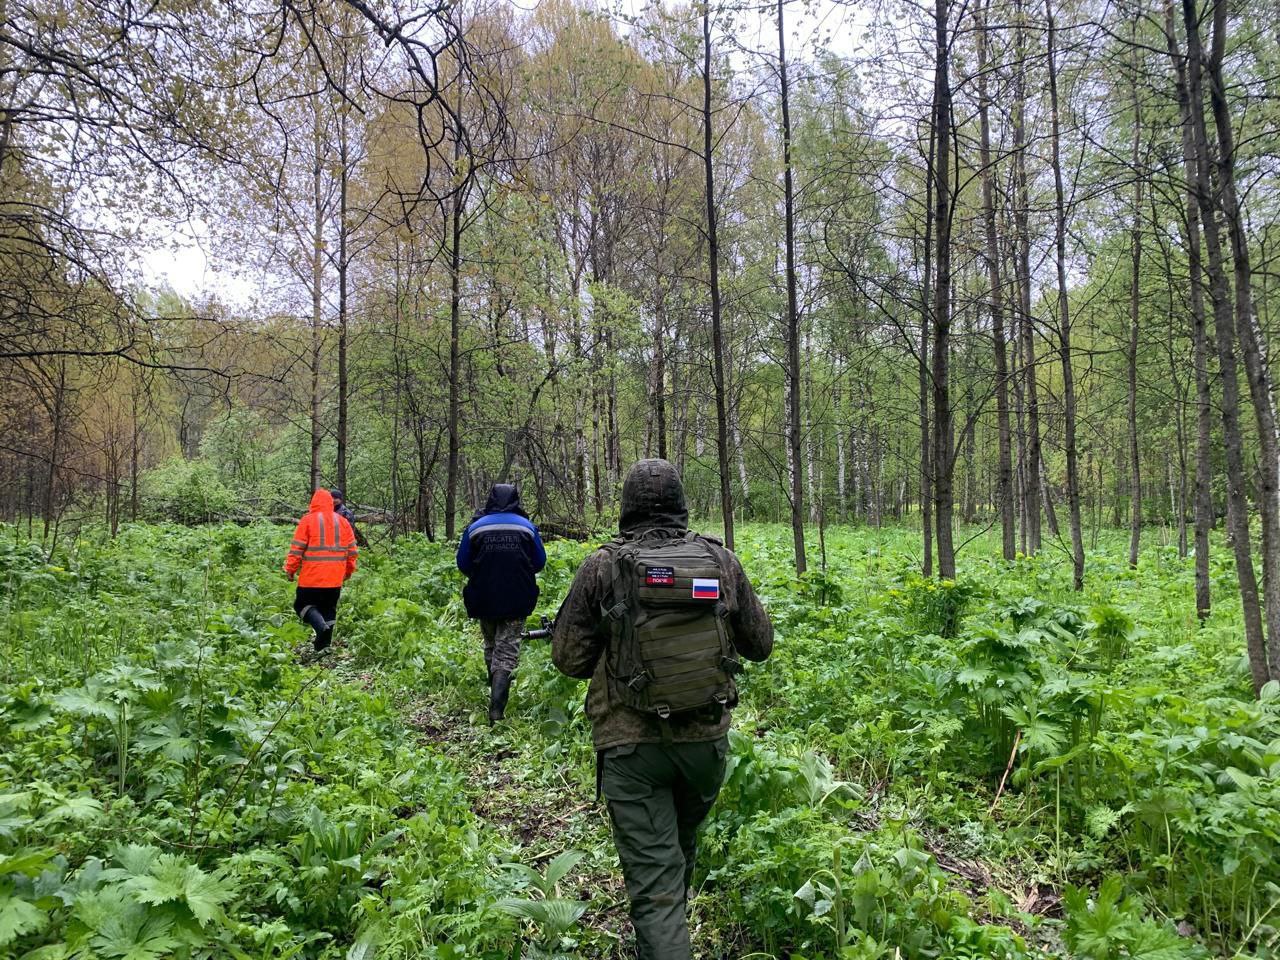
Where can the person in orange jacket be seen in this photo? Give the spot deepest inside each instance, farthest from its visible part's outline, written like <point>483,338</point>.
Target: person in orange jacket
<point>322,557</point>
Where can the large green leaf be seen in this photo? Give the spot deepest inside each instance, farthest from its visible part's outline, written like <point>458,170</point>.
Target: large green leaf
<point>172,879</point>
<point>85,702</point>
<point>558,868</point>
<point>18,918</point>
<point>29,862</point>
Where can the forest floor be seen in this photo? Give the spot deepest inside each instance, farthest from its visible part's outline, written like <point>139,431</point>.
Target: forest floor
<point>542,820</point>
<point>364,802</point>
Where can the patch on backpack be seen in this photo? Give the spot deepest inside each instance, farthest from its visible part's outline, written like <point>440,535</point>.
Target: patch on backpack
<point>659,576</point>
<point>706,589</point>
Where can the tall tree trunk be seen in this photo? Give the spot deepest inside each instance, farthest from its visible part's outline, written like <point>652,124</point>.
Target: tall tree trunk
<point>1177,362</point>
<point>1046,498</point>
<point>317,294</point>
<point>597,443</point>
<point>397,388</point>
<point>793,310</point>
<point>344,175</point>
<point>660,378</point>
<point>1004,469</point>
<point>55,447</point>
<point>1252,349</point>
<point>1064,316</point>
<point>1019,412</point>
<point>713,257</point>
<point>135,443</point>
<point>841,440</point>
<point>1228,371</point>
<point>943,459</point>
<point>1199,332</point>
<point>1022,213</point>
<point>1135,301</point>
<point>922,366</point>
<point>458,206</point>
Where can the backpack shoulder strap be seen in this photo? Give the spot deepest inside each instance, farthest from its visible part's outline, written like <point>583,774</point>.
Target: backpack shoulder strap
<point>615,604</point>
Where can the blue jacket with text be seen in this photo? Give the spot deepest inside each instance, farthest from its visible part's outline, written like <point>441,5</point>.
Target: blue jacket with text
<point>500,553</point>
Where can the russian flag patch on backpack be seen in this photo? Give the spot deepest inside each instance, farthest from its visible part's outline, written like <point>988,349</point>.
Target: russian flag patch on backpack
<point>706,589</point>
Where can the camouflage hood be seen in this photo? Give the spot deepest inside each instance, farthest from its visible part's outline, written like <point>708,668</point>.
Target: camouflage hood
<point>653,499</point>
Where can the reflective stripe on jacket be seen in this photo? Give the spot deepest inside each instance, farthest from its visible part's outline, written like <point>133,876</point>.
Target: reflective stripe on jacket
<point>323,551</point>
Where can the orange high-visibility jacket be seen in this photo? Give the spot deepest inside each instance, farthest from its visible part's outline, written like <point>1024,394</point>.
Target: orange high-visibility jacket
<point>324,546</point>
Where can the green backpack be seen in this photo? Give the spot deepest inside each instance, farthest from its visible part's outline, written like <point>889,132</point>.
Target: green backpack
<point>671,649</point>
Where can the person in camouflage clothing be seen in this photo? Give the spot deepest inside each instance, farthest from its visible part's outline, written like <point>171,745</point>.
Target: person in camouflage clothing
<point>659,777</point>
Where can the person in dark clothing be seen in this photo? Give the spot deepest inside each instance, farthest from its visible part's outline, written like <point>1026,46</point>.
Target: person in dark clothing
<point>501,552</point>
<point>341,509</point>
<point>660,774</point>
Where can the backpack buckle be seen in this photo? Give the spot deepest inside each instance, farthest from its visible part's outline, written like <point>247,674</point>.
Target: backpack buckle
<point>663,711</point>
<point>638,682</point>
<point>731,666</point>
<point>616,612</point>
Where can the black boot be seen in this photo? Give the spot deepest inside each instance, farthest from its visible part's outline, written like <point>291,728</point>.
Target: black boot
<point>498,693</point>
<point>322,627</point>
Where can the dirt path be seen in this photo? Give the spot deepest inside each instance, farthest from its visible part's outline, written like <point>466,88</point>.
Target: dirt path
<point>536,817</point>
<point>538,812</point>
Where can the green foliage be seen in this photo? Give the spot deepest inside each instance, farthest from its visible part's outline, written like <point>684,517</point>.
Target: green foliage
<point>187,491</point>
<point>1109,926</point>
<point>936,606</point>
<point>172,783</point>
<point>552,915</point>
<point>263,801</point>
<point>1113,631</point>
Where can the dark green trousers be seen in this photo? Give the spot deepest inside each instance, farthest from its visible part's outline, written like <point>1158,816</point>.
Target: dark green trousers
<point>658,794</point>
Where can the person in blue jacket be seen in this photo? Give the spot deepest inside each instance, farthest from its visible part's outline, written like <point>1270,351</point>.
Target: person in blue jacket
<point>500,553</point>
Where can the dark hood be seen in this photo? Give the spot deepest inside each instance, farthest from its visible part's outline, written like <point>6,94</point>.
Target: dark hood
<point>503,498</point>
<point>653,499</point>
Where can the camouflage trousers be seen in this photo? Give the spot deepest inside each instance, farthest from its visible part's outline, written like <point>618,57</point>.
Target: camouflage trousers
<point>501,644</point>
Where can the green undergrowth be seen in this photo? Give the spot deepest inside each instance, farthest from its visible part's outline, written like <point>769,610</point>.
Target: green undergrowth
<point>991,767</point>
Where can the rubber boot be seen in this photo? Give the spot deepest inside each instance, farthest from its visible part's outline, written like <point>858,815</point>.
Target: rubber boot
<point>322,627</point>
<point>498,694</point>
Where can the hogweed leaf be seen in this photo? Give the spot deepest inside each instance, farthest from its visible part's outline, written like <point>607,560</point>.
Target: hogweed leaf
<point>84,702</point>
<point>18,918</point>
<point>79,809</point>
<point>134,859</point>
<point>1151,941</point>
<point>172,879</point>
<point>28,862</point>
